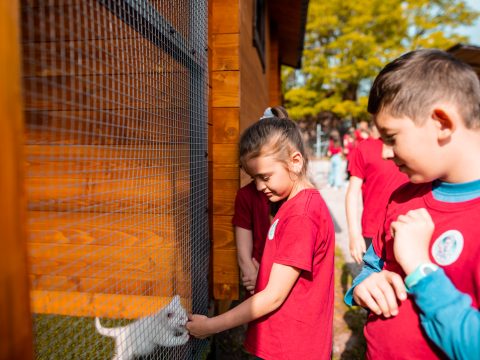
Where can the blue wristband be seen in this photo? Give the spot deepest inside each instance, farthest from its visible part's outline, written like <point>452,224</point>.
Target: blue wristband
<point>419,273</point>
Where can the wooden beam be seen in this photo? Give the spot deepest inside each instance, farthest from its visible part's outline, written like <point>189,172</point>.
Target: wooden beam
<point>101,305</point>
<point>15,318</point>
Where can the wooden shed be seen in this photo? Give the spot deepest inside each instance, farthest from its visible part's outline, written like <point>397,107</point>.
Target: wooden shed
<point>249,40</point>
<point>119,132</point>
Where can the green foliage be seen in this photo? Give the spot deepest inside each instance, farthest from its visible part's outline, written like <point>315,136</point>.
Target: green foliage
<point>348,42</point>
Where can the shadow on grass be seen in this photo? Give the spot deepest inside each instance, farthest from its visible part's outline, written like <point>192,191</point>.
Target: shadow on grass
<point>354,317</point>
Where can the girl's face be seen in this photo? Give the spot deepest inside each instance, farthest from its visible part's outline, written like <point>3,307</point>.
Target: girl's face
<point>272,177</point>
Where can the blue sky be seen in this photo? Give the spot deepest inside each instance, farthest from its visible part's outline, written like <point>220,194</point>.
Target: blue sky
<point>472,31</point>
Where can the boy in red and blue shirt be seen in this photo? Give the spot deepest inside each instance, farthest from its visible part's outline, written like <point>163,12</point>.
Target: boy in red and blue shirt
<point>426,105</point>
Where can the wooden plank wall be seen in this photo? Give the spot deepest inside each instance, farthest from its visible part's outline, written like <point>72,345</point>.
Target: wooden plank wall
<point>240,91</point>
<point>15,319</point>
<point>108,177</point>
<point>254,79</point>
<point>274,69</point>
<point>224,40</point>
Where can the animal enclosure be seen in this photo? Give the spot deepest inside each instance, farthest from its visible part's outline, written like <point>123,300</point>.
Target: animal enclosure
<point>115,110</point>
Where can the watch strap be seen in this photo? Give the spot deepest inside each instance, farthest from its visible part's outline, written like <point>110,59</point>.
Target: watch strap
<point>419,273</point>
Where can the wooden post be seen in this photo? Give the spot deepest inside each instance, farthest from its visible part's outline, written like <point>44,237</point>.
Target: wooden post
<point>15,318</point>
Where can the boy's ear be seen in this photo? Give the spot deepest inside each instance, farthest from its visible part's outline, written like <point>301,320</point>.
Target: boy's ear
<point>444,122</point>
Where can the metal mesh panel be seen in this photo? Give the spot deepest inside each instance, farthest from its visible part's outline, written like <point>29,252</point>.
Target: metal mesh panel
<point>115,98</point>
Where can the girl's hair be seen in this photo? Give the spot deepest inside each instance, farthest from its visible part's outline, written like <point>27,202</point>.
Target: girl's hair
<point>275,111</point>
<point>272,136</point>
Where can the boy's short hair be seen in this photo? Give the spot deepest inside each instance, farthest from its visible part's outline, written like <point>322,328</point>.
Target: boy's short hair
<point>411,84</point>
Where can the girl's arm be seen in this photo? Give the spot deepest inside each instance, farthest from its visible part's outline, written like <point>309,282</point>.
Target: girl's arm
<point>281,281</point>
<point>249,270</point>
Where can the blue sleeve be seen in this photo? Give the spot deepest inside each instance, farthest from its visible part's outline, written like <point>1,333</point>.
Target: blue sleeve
<point>447,316</point>
<point>371,263</point>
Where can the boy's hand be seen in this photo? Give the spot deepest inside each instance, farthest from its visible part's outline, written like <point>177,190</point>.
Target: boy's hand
<point>357,247</point>
<point>379,293</point>
<point>198,326</point>
<point>249,276</point>
<point>412,233</point>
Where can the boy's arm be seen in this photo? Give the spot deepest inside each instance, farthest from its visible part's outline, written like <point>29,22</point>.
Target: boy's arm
<point>376,289</point>
<point>248,268</point>
<point>372,263</point>
<point>281,281</point>
<point>352,207</point>
<point>447,316</point>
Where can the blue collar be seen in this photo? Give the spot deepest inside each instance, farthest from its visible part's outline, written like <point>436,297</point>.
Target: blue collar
<point>459,192</point>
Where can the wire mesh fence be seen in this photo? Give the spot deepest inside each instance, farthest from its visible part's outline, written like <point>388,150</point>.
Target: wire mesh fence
<point>115,106</point>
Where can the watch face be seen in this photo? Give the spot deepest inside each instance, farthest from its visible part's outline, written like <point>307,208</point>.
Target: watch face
<point>428,268</point>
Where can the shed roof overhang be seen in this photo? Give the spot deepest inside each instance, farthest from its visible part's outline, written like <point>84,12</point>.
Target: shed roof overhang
<point>290,18</point>
<point>467,53</point>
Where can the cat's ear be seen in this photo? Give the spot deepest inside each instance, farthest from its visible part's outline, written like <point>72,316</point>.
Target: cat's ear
<point>176,300</point>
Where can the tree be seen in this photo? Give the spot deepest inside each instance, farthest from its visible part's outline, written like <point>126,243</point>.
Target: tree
<point>348,42</point>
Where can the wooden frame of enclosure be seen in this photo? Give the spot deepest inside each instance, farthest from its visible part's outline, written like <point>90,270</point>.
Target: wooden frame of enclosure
<point>15,319</point>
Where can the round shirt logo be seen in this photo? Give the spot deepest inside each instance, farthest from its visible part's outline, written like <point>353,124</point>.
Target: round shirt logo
<point>447,247</point>
<point>271,231</point>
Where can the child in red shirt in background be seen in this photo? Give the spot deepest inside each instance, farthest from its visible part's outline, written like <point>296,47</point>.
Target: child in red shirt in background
<point>372,179</point>
<point>334,151</point>
<point>251,221</point>
<point>349,144</point>
<point>290,314</point>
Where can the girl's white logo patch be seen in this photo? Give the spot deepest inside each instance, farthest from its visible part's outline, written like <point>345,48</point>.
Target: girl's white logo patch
<point>271,231</point>
<point>447,247</point>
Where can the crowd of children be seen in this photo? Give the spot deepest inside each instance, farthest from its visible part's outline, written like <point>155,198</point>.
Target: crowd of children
<point>417,238</point>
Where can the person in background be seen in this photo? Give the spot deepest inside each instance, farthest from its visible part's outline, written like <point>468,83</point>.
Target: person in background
<point>372,181</point>
<point>349,144</point>
<point>334,152</point>
<point>362,131</point>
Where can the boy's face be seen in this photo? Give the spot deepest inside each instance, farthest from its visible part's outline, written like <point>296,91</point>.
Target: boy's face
<point>413,147</point>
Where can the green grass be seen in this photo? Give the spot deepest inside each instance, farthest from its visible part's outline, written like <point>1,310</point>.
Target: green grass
<point>348,321</point>
<point>69,337</point>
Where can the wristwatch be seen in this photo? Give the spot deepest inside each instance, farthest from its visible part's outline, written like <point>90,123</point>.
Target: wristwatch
<point>419,273</point>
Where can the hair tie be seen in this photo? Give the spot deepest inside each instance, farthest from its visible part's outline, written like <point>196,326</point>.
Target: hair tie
<point>268,113</point>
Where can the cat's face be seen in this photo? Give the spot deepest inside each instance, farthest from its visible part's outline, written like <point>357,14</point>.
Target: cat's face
<point>175,316</point>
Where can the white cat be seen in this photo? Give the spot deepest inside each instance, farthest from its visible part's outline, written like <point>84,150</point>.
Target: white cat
<point>164,328</point>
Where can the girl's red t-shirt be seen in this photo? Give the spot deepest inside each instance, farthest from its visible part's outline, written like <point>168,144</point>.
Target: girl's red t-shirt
<point>301,235</point>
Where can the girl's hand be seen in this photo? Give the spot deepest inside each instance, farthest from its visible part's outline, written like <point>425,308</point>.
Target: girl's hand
<point>412,233</point>
<point>198,326</point>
